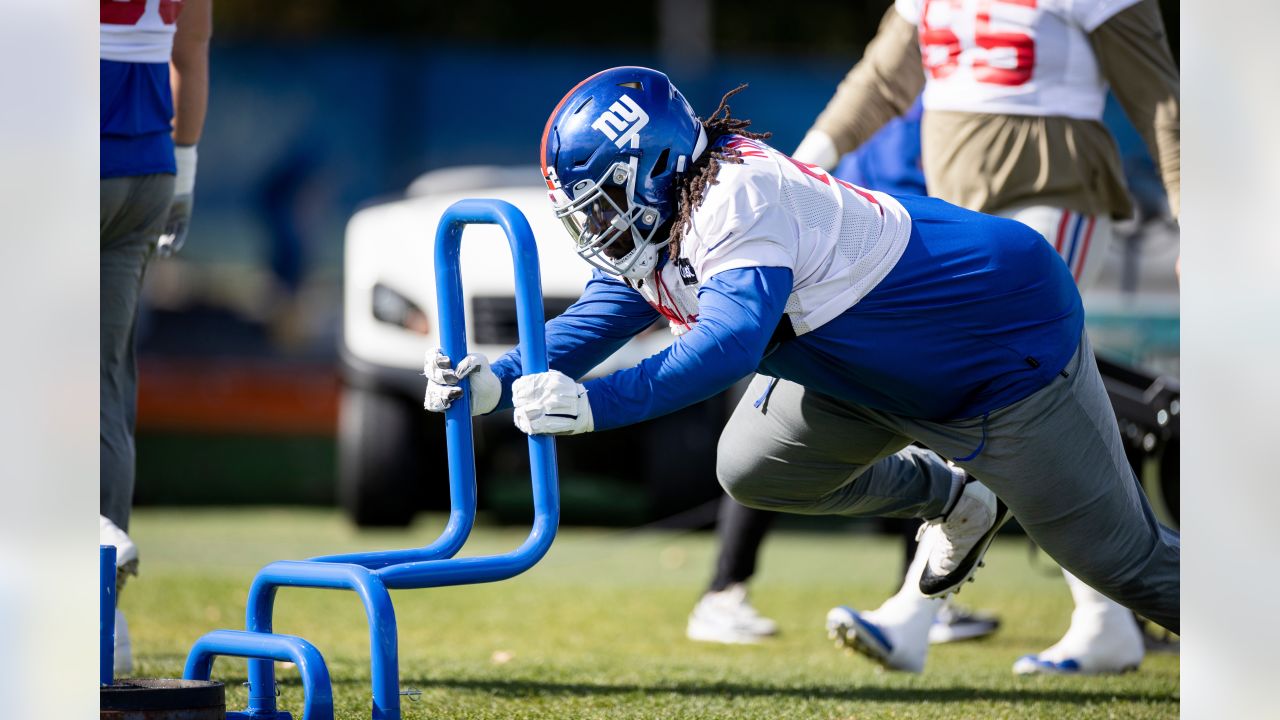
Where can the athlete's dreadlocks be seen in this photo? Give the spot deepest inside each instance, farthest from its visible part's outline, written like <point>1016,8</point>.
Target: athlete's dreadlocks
<point>692,187</point>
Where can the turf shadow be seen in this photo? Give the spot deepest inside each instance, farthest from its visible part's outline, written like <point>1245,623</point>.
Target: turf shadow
<point>867,693</point>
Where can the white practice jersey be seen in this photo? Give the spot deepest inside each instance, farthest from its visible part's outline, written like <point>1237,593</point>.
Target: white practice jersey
<point>838,240</point>
<point>137,31</point>
<point>1014,57</point>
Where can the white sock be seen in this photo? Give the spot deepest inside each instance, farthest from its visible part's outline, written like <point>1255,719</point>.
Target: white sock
<point>907,615</point>
<point>123,646</point>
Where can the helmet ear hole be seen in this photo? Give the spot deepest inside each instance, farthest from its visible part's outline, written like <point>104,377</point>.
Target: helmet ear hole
<point>660,165</point>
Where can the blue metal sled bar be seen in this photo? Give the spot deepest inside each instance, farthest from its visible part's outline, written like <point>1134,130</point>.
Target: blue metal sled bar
<point>106,614</point>
<point>318,704</point>
<point>381,615</point>
<point>371,574</point>
<point>458,430</point>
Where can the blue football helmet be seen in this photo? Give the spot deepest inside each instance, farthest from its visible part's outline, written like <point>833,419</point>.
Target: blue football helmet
<point>611,152</point>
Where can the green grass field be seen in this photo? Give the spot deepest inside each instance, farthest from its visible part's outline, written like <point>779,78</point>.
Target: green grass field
<point>597,628</point>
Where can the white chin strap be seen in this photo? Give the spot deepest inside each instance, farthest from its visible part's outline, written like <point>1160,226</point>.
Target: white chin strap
<point>644,264</point>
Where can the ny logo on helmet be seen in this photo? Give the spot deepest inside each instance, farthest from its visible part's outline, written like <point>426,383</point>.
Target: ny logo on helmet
<point>621,123</point>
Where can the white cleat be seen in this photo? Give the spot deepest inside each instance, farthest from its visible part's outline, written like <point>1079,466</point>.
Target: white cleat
<point>899,646</point>
<point>955,622</point>
<point>958,540</point>
<point>727,617</point>
<point>1097,643</point>
<point>126,552</point>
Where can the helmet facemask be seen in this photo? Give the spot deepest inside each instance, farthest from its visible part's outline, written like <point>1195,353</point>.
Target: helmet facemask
<point>610,230</point>
<point>612,151</point>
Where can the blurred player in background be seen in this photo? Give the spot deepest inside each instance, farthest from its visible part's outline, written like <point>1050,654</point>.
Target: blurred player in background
<point>154,85</point>
<point>1013,100</point>
<point>889,162</point>
<point>864,314</point>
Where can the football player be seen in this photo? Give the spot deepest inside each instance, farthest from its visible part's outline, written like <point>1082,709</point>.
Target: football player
<point>872,320</point>
<point>889,161</point>
<point>1013,99</point>
<point>154,88</point>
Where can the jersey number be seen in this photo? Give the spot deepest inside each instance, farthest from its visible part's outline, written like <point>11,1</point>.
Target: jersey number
<point>129,12</point>
<point>1007,58</point>
<point>748,148</point>
<point>825,177</point>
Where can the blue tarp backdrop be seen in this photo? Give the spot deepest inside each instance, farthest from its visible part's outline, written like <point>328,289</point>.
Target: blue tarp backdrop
<point>339,124</point>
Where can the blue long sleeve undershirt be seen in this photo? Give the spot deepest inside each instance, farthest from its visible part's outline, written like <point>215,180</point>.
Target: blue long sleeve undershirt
<point>738,312</point>
<point>598,324</point>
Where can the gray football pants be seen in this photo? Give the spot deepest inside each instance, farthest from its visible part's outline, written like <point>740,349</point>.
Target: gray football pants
<point>132,214</point>
<point>1055,458</point>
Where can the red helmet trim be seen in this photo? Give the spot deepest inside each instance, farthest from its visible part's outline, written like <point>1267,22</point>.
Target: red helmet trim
<point>546,131</point>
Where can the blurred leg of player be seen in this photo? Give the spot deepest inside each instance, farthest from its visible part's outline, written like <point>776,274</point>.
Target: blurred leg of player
<point>1082,240</point>
<point>133,211</point>
<point>1103,637</point>
<point>723,614</point>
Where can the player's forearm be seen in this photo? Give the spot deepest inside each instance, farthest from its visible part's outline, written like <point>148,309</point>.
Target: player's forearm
<point>190,102</point>
<point>603,319</point>
<point>883,85</point>
<point>1133,54</point>
<point>189,70</point>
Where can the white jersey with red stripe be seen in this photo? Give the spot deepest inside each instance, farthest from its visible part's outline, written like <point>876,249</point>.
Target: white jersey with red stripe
<point>838,240</point>
<point>137,31</point>
<point>1012,57</point>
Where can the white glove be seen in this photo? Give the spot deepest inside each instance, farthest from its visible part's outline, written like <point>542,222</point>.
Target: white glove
<point>184,185</point>
<point>443,379</point>
<point>551,403</point>
<point>817,148</point>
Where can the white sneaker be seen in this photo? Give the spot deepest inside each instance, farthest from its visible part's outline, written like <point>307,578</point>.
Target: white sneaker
<point>1099,641</point>
<point>126,552</point>
<point>727,617</point>
<point>123,647</point>
<point>958,540</point>
<point>126,564</point>
<point>899,645</point>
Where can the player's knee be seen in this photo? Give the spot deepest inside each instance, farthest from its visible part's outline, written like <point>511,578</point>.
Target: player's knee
<point>732,477</point>
<point>742,480</point>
